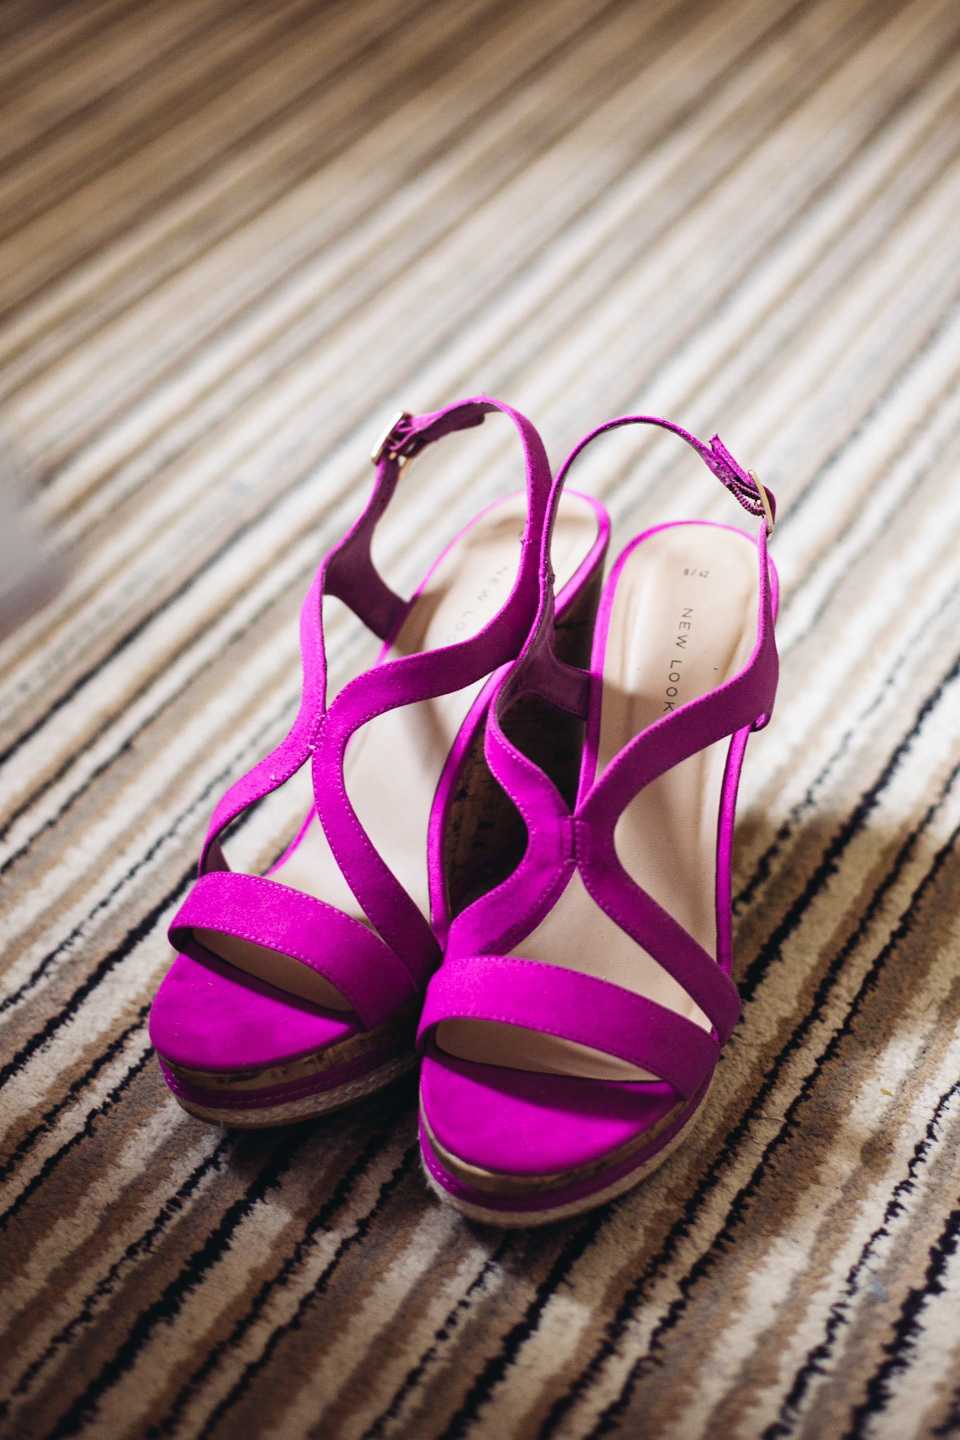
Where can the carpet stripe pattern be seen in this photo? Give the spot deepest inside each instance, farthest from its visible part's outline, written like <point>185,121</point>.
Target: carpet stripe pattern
<point>235,237</point>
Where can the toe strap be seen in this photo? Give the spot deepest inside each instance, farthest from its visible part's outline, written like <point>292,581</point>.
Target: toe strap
<point>341,949</point>
<point>572,1006</point>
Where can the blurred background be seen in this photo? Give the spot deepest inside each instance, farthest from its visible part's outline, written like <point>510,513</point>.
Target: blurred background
<point>234,239</point>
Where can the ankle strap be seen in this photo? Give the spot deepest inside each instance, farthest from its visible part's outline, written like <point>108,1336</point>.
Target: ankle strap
<point>407,434</point>
<point>351,574</point>
<point>537,669</point>
<point>744,485</point>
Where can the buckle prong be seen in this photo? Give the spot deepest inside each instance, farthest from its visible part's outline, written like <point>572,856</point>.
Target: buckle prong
<point>383,445</point>
<point>764,501</point>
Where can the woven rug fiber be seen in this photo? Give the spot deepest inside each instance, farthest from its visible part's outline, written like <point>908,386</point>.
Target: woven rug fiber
<point>235,236</point>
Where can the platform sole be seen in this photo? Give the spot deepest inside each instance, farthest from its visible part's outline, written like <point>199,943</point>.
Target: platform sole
<point>300,1107</point>
<point>517,1217</point>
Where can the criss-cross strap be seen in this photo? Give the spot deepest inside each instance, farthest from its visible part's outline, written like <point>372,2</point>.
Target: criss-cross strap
<point>337,946</point>
<point>322,732</point>
<point>569,1005</point>
<point>560,843</point>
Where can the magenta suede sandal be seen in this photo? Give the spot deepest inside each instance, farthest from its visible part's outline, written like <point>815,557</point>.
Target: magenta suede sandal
<point>571,1033</point>
<point>298,992</point>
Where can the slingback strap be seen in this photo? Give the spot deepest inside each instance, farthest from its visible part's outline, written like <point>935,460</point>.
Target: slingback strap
<point>537,670</point>
<point>742,484</point>
<point>553,1000</point>
<point>334,945</point>
<point>350,572</point>
<point>322,733</point>
<point>407,434</point>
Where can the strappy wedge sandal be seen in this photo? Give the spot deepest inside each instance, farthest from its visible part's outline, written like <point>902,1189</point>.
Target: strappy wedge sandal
<point>297,992</point>
<point>571,1034</point>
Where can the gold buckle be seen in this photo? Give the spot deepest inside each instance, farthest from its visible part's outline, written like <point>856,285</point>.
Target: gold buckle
<point>764,501</point>
<point>382,446</point>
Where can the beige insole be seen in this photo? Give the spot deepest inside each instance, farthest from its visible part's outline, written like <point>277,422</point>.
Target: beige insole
<point>684,619</point>
<point>394,763</point>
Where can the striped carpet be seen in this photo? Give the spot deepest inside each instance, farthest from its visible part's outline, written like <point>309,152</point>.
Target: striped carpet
<point>234,236</point>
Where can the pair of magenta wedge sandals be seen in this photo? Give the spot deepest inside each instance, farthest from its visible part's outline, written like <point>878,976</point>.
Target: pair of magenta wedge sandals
<point>568,1007</point>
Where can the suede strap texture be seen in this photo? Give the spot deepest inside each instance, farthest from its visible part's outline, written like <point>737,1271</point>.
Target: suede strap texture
<point>321,732</point>
<point>561,843</point>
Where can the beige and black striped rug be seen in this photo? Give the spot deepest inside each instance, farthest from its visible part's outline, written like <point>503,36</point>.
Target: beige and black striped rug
<point>234,236</point>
